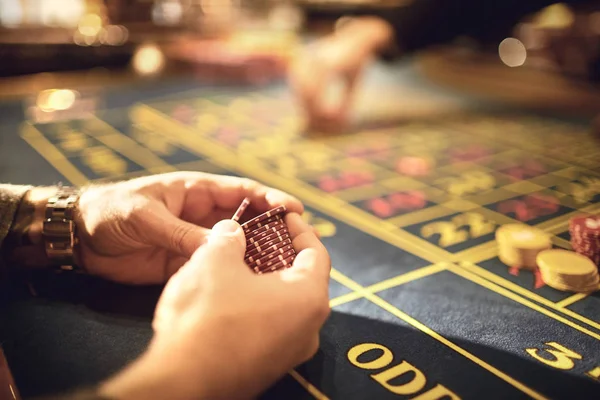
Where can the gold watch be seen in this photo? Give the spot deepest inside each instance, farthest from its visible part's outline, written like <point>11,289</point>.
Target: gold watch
<point>59,229</point>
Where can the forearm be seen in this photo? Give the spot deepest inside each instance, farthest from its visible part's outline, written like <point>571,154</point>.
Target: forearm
<point>22,209</point>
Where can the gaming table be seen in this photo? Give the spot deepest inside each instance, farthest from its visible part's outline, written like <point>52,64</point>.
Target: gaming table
<point>421,306</point>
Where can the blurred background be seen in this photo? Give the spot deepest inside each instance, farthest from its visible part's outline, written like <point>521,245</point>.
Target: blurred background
<point>48,45</point>
<point>150,37</point>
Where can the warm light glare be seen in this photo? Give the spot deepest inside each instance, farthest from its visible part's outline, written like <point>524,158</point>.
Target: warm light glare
<point>512,52</point>
<point>11,13</point>
<point>167,12</point>
<point>556,16</point>
<point>56,99</point>
<point>90,25</point>
<point>114,35</point>
<point>148,59</point>
<point>51,13</point>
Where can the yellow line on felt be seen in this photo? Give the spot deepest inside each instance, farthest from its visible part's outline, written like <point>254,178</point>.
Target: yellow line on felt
<point>507,293</point>
<point>51,154</point>
<point>498,280</point>
<point>408,277</point>
<point>308,386</point>
<point>338,276</point>
<point>408,319</point>
<point>571,300</point>
<point>383,285</point>
<point>345,298</point>
<point>131,149</point>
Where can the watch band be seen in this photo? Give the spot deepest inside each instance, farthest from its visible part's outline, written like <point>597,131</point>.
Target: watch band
<point>59,229</point>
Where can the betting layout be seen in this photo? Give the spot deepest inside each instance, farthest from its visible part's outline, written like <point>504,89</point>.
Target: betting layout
<point>436,191</point>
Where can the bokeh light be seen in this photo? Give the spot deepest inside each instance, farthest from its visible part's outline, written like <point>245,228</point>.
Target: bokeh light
<point>113,35</point>
<point>556,16</point>
<point>90,25</point>
<point>148,59</point>
<point>56,99</point>
<point>512,52</point>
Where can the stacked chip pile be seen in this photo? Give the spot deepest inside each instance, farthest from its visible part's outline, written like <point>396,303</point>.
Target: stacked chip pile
<point>526,247</point>
<point>519,245</point>
<point>585,236</point>
<point>268,242</point>
<point>568,271</point>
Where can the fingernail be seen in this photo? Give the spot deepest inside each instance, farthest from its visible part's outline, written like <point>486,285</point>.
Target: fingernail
<point>225,227</point>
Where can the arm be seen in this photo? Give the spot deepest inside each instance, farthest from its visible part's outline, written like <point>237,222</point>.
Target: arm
<point>21,216</point>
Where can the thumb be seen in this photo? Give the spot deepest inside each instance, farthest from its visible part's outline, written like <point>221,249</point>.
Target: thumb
<point>226,244</point>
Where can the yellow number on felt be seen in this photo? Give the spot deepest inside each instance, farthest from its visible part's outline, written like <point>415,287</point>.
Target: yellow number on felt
<point>157,143</point>
<point>73,140</point>
<point>449,234</point>
<point>103,161</point>
<point>315,160</point>
<point>561,357</point>
<point>263,147</point>
<point>468,182</point>
<point>584,191</point>
<point>478,225</point>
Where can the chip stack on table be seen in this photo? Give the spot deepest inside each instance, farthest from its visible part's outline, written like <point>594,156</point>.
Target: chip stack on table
<point>519,245</point>
<point>585,236</point>
<point>268,242</point>
<point>568,271</point>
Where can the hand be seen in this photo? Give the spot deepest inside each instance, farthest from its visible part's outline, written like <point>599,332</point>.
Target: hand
<point>143,230</point>
<point>341,56</point>
<point>224,332</point>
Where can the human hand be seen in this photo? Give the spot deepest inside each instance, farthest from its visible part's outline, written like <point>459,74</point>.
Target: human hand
<point>143,230</point>
<point>224,332</point>
<point>339,57</point>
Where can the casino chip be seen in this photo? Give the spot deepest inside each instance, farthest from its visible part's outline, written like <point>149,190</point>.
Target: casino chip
<point>519,245</point>
<point>268,242</point>
<point>568,271</point>
<point>585,236</point>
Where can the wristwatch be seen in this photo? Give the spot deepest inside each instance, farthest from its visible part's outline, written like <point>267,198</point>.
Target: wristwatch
<point>59,229</point>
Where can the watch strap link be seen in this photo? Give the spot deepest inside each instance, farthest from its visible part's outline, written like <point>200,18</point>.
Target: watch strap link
<point>59,228</point>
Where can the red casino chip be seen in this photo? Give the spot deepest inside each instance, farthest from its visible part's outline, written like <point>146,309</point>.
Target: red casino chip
<point>264,219</point>
<point>585,236</point>
<point>268,242</point>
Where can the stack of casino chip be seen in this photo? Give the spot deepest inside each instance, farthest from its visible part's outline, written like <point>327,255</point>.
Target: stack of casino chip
<point>568,271</point>
<point>268,242</point>
<point>519,245</point>
<point>585,236</point>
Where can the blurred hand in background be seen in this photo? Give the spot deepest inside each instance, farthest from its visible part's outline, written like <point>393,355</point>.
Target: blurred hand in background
<point>326,73</point>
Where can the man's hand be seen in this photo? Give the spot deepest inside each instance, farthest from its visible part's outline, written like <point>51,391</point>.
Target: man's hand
<point>341,56</point>
<point>143,230</point>
<point>224,332</point>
